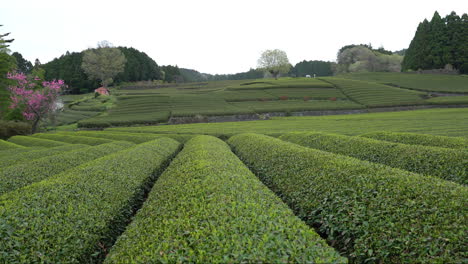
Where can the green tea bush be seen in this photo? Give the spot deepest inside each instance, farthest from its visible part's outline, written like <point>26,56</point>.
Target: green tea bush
<point>19,157</point>
<point>5,145</point>
<point>207,207</point>
<point>424,82</point>
<point>136,138</point>
<point>371,212</point>
<point>75,139</point>
<point>29,141</point>
<point>376,95</point>
<point>448,164</point>
<point>19,175</point>
<point>419,139</point>
<point>74,216</point>
<point>449,100</point>
<point>15,151</point>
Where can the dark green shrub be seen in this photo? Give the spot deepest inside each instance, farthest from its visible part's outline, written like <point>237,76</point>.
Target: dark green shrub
<point>11,128</point>
<point>207,207</point>
<point>373,213</point>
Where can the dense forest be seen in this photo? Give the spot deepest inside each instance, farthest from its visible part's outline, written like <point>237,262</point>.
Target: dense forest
<point>139,67</point>
<point>440,43</point>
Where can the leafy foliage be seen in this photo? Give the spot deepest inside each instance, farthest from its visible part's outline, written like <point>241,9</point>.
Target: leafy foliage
<point>449,164</point>
<point>371,212</point>
<point>103,64</point>
<point>275,62</point>
<point>76,214</point>
<point>319,68</point>
<point>207,207</point>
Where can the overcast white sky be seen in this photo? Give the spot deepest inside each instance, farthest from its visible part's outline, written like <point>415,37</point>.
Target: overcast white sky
<point>215,36</point>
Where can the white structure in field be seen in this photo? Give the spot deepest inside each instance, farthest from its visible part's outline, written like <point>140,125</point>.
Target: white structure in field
<point>308,76</point>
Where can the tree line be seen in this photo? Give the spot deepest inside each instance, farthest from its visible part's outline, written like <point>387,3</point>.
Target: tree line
<point>68,67</point>
<point>439,43</point>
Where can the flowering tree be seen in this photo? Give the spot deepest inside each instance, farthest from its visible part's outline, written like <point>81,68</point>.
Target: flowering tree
<point>34,98</point>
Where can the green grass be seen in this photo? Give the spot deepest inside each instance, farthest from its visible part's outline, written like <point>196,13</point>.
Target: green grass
<point>207,207</point>
<point>371,212</point>
<point>423,82</point>
<point>376,95</point>
<point>445,122</point>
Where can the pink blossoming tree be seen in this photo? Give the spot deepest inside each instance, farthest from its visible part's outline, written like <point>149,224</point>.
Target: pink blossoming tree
<point>34,98</point>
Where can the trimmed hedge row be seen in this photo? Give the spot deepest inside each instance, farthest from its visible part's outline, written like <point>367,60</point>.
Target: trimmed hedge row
<point>36,154</point>
<point>19,175</point>
<point>74,139</point>
<point>419,139</point>
<point>72,217</point>
<point>207,207</point>
<point>29,141</point>
<point>15,151</point>
<point>448,164</point>
<point>136,138</point>
<point>372,212</point>
<point>5,145</point>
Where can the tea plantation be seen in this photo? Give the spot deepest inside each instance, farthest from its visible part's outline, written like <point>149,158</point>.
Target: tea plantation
<point>364,188</point>
<point>146,104</point>
<point>119,180</point>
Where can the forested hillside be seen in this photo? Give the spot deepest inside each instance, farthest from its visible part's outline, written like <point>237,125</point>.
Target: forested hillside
<point>139,67</point>
<point>439,43</point>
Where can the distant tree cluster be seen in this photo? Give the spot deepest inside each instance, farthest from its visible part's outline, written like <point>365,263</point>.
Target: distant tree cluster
<point>170,73</point>
<point>440,43</point>
<point>138,67</point>
<point>359,58</point>
<point>319,68</point>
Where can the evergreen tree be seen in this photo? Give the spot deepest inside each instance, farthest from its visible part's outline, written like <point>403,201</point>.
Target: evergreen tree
<point>440,42</point>
<point>24,65</point>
